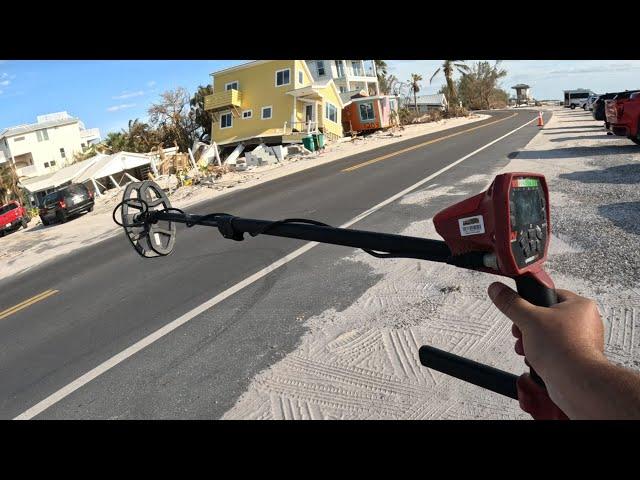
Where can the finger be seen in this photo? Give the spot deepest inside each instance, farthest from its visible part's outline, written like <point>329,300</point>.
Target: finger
<point>519,348</point>
<point>515,331</point>
<point>511,304</point>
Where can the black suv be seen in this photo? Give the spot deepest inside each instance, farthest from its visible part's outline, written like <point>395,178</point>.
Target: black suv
<point>67,201</point>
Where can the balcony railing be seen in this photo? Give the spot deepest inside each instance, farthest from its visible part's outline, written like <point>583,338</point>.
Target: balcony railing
<point>222,100</point>
<point>300,127</point>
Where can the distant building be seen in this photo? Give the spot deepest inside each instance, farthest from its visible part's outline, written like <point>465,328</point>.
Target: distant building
<point>47,145</point>
<point>523,96</point>
<point>427,103</point>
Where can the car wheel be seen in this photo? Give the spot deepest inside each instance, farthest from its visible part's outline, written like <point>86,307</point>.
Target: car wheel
<point>44,221</point>
<point>635,140</point>
<point>90,209</point>
<point>62,217</point>
<point>573,106</point>
<point>25,222</point>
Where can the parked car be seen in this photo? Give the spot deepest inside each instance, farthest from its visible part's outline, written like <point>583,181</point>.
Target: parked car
<point>623,115</point>
<point>12,217</point>
<point>62,204</point>
<point>588,105</point>
<point>598,106</point>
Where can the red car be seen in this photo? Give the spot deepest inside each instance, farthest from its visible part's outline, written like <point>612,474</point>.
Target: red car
<point>12,217</point>
<point>623,115</point>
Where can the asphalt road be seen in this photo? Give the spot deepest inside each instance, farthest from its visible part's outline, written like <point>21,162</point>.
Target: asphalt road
<point>91,305</point>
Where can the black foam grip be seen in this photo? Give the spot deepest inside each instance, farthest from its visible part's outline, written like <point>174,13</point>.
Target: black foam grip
<point>535,292</point>
<point>479,374</point>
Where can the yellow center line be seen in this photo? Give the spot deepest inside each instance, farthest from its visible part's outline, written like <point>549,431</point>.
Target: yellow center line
<point>26,303</point>
<point>408,149</point>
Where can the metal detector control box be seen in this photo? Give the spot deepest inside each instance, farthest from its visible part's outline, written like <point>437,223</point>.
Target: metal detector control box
<point>509,221</point>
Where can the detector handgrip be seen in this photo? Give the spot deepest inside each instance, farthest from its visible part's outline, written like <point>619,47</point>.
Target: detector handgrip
<point>479,374</point>
<point>533,290</point>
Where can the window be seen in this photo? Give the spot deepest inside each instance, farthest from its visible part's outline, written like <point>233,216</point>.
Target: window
<point>339,68</point>
<point>331,112</point>
<point>42,135</point>
<point>235,85</point>
<point>579,95</point>
<point>18,139</point>
<point>226,120</point>
<point>283,77</point>
<point>62,154</point>
<point>300,77</point>
<point>343,89</point>
<point>8,208</point>
<point>46,164</point>
<point>247,114</point>
<point>53,162</point>
<point>320,67</point>
<point>267,112</point>
<point>367,113</point>
<point>356,67</point>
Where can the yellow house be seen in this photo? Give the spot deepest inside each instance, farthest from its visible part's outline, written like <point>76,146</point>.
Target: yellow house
<point>272,102</point>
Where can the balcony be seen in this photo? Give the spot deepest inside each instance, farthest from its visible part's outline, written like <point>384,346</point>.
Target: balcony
<point>223,100</point>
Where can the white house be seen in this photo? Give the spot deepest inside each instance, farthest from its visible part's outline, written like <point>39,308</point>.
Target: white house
<point>45,146</point>
<point>348,75</point>
<point>426,103</point>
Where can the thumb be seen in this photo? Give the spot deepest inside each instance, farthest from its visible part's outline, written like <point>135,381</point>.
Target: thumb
<point>516,308</point>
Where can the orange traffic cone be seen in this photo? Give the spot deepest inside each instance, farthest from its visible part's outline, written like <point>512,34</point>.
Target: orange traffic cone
<point>540,121</point>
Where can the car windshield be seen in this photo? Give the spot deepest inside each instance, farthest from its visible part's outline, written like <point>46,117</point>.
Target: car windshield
<point>8,208</point>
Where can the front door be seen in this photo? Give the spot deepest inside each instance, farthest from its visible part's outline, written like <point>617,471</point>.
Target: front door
<point>308,113</point>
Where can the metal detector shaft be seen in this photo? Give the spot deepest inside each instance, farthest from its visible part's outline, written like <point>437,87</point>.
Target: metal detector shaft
<point>479,374</point>
<point>404,246</point>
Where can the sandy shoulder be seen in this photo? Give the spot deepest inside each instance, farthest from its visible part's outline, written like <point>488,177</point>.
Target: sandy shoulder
<point>362,362</point>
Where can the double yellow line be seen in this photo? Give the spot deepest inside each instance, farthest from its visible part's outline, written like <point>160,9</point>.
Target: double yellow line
<point>408,149</point>
<point>27,303</point>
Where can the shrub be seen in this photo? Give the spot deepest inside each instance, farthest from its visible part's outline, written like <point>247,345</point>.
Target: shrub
<point>456,111</point>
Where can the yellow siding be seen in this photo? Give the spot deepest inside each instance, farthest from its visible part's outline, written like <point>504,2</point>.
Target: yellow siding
<point>330,94</point>
<point>258,88</point>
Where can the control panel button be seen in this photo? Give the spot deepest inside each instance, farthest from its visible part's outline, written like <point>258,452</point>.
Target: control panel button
<point>538,232</point>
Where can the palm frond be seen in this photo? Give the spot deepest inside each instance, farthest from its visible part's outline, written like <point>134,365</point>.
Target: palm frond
<point>434,75</point>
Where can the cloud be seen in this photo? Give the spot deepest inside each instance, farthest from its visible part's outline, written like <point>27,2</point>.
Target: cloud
<point>4,83</point>
<point>624,67</point>
<point>124,106</point>
<point>127,94</point>
<point>152,83</point>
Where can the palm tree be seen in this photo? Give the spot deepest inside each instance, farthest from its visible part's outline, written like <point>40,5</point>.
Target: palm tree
<point>447,67</point>
<point>416,78</point>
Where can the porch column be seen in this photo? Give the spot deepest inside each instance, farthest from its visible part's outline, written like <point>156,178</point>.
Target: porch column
<point>293,113</point>
<point>95,186</point>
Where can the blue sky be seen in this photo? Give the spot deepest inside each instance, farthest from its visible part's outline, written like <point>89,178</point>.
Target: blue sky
<point>107,94</point>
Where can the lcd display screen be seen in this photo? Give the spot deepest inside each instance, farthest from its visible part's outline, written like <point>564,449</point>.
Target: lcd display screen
<point>528,206</point>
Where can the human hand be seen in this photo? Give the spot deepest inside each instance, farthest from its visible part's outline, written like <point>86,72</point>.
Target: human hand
<point>552,339</point>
